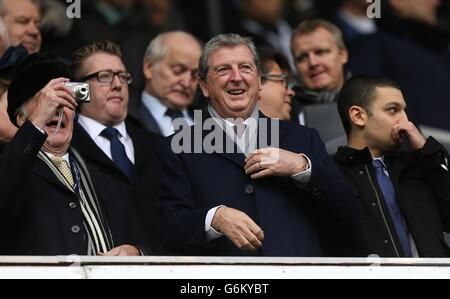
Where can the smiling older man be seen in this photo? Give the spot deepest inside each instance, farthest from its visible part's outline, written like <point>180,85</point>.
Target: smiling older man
<point>240,202</point>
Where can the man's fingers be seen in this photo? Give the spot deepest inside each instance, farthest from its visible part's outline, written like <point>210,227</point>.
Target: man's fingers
<point>261,174</point>
<point>256,230</point>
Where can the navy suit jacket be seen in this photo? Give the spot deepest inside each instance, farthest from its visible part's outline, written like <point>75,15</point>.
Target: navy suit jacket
<point>192,184</point>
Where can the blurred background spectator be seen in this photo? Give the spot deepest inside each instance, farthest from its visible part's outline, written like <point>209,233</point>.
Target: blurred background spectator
<point>411,48</point>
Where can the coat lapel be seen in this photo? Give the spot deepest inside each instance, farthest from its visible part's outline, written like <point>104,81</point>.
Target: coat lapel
<point>41,169</point>
<point>84,144</point>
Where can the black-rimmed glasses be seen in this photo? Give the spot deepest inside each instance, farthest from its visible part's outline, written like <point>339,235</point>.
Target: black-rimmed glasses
<point>108,77</point>
<point>282,78</point>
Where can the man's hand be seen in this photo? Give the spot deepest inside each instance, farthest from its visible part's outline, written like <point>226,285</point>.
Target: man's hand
<point>7,129</point>
<point>238,228</point>
<point>49,99</point>
<point>274,162</point>
<point>123,250</point>
<point>409,129</point>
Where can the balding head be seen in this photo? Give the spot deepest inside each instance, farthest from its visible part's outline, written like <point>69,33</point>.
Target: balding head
<point>171,68</point>
<point>22,18</point>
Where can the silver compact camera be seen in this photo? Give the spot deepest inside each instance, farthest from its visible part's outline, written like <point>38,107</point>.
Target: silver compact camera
<point>81,91</point>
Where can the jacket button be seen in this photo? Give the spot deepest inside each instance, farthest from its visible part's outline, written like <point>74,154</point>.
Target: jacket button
<point>29,148</point>
<point>361,172</point>
<point>249,189</point>
<point>72,205</point>
<point>386,242</point>
<point>374,204</point>
<point>75,229</point>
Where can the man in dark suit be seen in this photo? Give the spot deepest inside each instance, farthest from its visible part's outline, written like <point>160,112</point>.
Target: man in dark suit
<point>49,201</point>
<point>120,152</point>
<point>238,200</point>
<point>404,196</point>
<point>171,80</point>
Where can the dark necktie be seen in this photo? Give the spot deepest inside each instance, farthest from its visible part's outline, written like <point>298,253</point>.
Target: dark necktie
<point>173,114</point>
<point>118,153</point>
<point>387,188</point>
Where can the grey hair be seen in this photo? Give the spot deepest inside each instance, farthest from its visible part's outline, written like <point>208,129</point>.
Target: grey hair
<point>226,41</point>
<point>3,8</point>
<point>22,110</point>
<point>157,48</point>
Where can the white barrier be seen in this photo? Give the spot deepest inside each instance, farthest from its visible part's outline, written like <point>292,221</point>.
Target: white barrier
<point>220,268</point>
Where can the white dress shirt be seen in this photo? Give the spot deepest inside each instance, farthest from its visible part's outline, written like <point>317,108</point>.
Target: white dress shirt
<point>94,129</point>
<point>247,144</point>
<point>158,111</point>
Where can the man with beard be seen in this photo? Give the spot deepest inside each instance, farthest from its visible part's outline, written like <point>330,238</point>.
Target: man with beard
<point>404,196</point>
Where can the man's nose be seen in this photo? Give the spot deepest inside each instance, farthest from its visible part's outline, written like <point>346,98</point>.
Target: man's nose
<point>116,83</point>
<point>235,74</point>
<point>290,92</point>
<point>32,28</point>
<point>186,79</point>
<point>313,61</point>
<point>403,116</point>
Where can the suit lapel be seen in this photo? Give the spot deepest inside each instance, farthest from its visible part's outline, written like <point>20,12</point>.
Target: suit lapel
<point>84,144</point>
<point>148,120</point>
<point>41,169</point>
<point>141,143</point>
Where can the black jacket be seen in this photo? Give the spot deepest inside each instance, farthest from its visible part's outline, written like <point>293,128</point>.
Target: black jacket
<point>138,191</point>
<point>38,214</point>
<point>422,185</point>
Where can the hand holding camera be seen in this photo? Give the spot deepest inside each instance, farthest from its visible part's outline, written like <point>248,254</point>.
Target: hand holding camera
<point>80,90</point>
<point>50,99</point>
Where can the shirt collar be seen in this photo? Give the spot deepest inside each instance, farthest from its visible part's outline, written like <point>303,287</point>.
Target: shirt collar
<point>156,107</point>
<point>65,157</point>
<point>216,115</point>
<point>381,159</point>
<point>94,128</point>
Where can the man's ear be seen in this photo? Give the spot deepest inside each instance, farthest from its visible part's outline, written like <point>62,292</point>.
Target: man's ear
<point>20,118</point>
<point>358,116</point>
<point>147,69</point>
<point>202,84</point>
<point>343,53</point>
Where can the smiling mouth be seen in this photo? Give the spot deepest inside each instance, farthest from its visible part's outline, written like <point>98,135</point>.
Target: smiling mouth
<point>236,92</point>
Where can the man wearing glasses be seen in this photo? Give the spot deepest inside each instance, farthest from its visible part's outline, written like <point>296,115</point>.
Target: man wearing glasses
<point>120,151</point>
<point>276,94</point>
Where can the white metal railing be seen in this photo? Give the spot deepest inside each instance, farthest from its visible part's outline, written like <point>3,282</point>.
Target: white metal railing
<point>220,267</point>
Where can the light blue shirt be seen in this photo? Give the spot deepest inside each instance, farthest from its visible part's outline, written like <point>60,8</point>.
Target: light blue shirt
<point>158,111</point>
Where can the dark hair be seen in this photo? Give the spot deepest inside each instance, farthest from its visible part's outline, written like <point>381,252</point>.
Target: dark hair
<point>80,55</point>
<point>267,55</point>
<point>360,91</point>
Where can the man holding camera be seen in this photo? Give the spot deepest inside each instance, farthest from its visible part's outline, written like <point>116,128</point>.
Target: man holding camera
<point>120,151</point>
<point>49,200</point>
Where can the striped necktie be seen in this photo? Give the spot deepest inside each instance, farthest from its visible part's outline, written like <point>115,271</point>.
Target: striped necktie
<point>63,167</point>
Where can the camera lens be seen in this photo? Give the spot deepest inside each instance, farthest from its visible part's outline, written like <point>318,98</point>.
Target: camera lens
<point>81,92</point>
